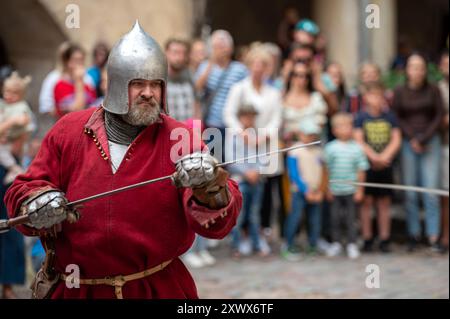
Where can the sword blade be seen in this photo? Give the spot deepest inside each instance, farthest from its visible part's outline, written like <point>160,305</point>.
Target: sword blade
<point>433,191</point>
<point>6,225</point>
<point>122,189</point>
<point>118,190</point>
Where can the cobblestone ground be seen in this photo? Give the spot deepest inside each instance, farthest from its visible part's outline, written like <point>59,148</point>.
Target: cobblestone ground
<point>402,275</point>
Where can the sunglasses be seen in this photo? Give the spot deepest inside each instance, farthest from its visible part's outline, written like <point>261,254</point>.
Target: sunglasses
<point>300,75</point>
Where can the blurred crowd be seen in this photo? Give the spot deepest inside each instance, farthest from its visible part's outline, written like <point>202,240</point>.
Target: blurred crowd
<point>379,131</point>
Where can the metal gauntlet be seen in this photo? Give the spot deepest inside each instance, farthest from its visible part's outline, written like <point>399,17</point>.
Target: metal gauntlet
<point>195,170</point>
<point>46,209</point>
<point>199,171</point>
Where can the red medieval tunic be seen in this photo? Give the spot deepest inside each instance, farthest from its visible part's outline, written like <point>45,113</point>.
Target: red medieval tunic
<point>130,231</point>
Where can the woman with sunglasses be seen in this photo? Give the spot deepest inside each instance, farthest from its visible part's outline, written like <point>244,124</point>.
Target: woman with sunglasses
<point>301,102</point>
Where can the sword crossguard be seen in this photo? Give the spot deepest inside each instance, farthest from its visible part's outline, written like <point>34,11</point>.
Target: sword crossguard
<point>175,181</point>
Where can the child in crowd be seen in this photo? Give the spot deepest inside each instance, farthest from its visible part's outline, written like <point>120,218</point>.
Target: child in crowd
<point>376,130</point>
<point>248,176</point>
<point>15,124</point>
<point>308,185</point>
<point>345,160</point>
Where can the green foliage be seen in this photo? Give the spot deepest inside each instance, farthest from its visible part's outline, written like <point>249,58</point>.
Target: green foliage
<point>394,78</point>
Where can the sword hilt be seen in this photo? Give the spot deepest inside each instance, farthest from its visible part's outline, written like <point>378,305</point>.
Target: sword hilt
<point>4,227</point>
<point>7,224</point>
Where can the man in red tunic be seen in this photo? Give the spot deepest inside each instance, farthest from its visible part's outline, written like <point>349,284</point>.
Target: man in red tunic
<point>126,245</point>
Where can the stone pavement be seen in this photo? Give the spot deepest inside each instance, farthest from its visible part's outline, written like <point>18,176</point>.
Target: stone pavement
<point>402,275</point>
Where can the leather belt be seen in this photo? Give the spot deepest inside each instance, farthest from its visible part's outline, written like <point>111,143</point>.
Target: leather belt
<point>119,281</point>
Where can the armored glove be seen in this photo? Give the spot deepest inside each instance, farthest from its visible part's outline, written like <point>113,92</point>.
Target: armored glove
<point>47,208</point>
<point>208,182</point>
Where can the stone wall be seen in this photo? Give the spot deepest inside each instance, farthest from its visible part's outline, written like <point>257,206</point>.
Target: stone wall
<point>108,20</point>
<point>32,30</point>
<point>31,38</point>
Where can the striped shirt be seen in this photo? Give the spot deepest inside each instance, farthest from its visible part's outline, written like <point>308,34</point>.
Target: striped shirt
<point>236,72</point>
<point>344,160</point>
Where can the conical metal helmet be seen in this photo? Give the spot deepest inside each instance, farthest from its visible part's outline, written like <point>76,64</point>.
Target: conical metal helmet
<point>135,56</point>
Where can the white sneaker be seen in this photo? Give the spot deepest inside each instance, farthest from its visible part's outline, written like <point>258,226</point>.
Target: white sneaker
<point>245,247</point>
<point>334,250</point>
<point>322,246</point>
<point>213,243</point>
<point>264,247</point>
<point>352,251</point>
<point>207,258</point>
<point>267,232</point>
<point>193,260</point>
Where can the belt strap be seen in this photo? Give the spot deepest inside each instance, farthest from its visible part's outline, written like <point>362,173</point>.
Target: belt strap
<point>119,281</point>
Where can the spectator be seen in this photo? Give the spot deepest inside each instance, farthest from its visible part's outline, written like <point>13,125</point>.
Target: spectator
<point>306,32</point>
<point>255,91</point>
<point>102,89</point>
<point>301,101</point>
<point>297,53</point>
<point>339,98</point>
<point>273,69</point>
<point>368,73</point>
<point>247,174</point>
<point>377,132</point>
<point>345,160</point>
<point>47,93</point>
<point>12,252</point>
<point>285,33</point>
<point>320,48</point>
<point>301,52</point>
<point>184,106</point>
<point>241,53</point>
<point>181,97</point>
<point>321,81</point>
<point>5,72</point>
<point>215,77</point>
<point>70,92</point>
<point>100,57</point>
<point>403,52</point>
<point>197,55</point>
<point>267,101</point>
<point>308,182</point>
<point>443,86</point>
<point>419,110</point>
<point>334,71</point>
<point>15,124</point>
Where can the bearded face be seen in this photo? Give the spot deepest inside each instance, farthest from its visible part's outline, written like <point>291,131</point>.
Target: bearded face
<point>144,102</point>
<point>143,112</point>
